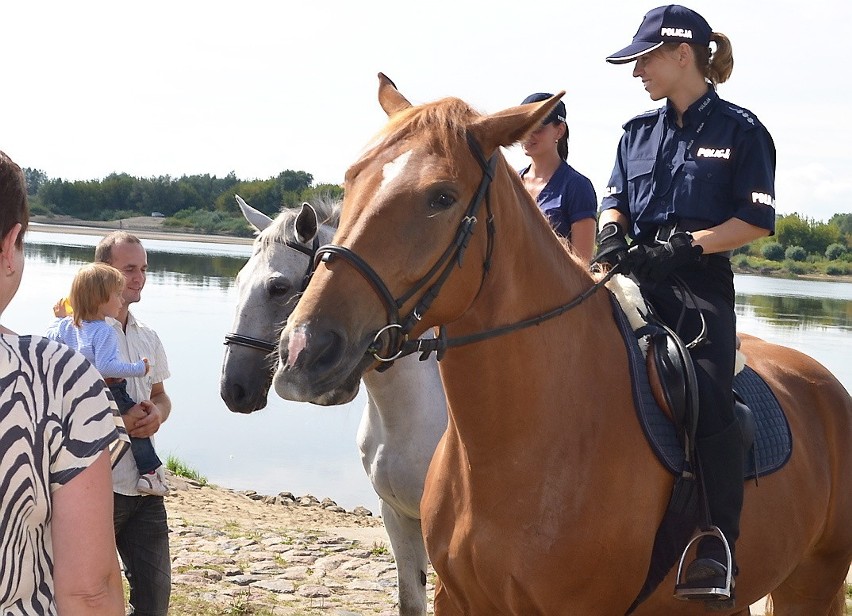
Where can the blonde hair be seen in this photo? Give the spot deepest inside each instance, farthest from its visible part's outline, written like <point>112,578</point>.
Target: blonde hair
<point>92,287</point>
<point>718,66</point>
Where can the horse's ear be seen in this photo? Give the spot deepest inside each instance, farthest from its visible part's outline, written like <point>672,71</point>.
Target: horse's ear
<point>306,223</point>
<point>255,218</point>
<point>389,97</point>
<point>511,125</point>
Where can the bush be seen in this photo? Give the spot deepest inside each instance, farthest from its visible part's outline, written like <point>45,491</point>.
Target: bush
<point>37,209</point>
<point>795,253</point>
<point>795,267</point>
<point>740,261</point>
<point>834,251</point>
<point>773,251</point>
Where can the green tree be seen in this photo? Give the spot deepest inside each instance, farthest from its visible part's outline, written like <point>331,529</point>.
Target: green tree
<point>791,230</point>
<point>35,178</point>
<point>814,237</point>
<point>844,223</point>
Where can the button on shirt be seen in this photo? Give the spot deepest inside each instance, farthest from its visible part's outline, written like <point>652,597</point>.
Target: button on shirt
<point>568,197</point>
<point>719,165</point>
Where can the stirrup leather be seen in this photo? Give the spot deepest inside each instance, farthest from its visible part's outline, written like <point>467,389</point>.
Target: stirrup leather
<point>690,591</point>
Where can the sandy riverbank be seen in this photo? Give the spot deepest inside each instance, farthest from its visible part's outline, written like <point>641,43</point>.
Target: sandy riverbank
<point>142,226</point>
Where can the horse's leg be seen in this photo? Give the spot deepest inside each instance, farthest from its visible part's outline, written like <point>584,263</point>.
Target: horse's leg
<point>443,604</point>
<point>410,554</point>
<point>815,588</point>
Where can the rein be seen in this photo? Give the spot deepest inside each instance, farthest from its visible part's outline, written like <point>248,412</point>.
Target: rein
<point>264,345</point>
<point>399,343</point>
<point>440,344</point>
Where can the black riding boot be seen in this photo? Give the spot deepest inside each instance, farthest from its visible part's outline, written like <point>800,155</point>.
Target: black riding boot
<point>721,457</point>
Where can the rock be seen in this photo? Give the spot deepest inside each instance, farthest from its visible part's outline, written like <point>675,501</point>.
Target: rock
<point>313,591</point>
<point>233,548</point>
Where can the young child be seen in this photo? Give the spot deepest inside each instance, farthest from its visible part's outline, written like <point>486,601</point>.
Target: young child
<point>96,294</point>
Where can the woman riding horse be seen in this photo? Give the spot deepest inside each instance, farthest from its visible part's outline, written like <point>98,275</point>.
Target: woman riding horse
<point>543,496</point>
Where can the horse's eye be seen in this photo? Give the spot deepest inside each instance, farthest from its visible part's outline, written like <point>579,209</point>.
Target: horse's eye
<point>277,286</point>
<point>442,201</point>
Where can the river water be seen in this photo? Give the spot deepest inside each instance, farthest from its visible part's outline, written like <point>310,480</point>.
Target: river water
<point>305,449</point>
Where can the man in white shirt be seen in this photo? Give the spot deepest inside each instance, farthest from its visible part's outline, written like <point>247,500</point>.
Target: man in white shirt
<point>141,528</point>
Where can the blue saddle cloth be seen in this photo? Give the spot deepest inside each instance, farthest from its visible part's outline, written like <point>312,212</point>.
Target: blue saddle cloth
<point>773,442</point>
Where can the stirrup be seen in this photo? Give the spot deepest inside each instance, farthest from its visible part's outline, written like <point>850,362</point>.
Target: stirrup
<point>694,592</point>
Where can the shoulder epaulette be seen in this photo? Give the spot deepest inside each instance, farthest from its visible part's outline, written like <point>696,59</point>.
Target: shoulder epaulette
<point>745,117</point>
<point>647,115</point>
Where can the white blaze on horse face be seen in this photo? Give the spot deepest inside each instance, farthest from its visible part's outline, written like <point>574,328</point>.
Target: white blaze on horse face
<point>297,343</point>
<point>394,169</point>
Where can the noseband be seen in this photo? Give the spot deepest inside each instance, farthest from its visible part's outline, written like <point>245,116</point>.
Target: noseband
<point>397,329</point>
<point>264,345</point>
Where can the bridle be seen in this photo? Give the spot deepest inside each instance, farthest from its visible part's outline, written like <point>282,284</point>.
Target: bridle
<point>264,345</point>
<point>398,344</point>
<point>398,329</point>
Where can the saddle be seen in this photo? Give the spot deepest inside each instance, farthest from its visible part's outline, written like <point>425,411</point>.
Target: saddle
<point>671,376</point>
<point>664,378</point>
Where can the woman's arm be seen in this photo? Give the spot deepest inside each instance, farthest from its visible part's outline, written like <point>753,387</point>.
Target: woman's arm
<point>613,215</point>
<point>86,575</point>
<point>583,238</point>
<point>731,234</point>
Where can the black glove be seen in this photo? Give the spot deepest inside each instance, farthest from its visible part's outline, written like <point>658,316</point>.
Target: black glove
<point>655,263</point>
<point>612,246</point>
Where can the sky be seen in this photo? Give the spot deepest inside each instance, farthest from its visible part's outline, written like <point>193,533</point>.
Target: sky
<point>189,87</point>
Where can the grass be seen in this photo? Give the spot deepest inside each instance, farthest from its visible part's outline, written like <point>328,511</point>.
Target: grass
<point>179,468</point>
<point>379,549</point>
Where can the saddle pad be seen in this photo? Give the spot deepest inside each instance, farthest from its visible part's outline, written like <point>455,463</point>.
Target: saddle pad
<point>773,442</point>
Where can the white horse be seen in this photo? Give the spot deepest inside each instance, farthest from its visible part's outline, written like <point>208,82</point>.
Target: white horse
<point>406,411</point>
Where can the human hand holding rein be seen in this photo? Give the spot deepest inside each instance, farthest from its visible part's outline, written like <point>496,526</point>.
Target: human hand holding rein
<point>656,263</point>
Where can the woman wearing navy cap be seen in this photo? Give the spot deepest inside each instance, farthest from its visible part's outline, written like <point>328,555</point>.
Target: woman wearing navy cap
<point>565,196</point>
<point>692,181</point>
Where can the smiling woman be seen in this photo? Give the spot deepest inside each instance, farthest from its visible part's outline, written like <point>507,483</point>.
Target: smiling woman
<point>516,426</point>
<point>686,208</point>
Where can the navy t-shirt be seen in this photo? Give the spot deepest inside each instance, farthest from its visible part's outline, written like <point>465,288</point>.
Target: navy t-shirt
<point>719,165</point>
<point>568,197</point>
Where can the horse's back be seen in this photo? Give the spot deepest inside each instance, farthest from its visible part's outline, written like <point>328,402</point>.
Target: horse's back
<point>805,388</point>
<point>816,483</point>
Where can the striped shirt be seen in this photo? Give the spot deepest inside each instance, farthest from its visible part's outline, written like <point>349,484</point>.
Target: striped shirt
<point>56,417</point>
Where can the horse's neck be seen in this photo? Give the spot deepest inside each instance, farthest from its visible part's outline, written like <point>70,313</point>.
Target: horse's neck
<point>407,395</point>
<point>544,380</point>
<point>531,272</point>
<point>560,386</point>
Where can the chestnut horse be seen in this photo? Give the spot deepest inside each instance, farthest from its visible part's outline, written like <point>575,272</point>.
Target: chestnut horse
<point>543,496</point>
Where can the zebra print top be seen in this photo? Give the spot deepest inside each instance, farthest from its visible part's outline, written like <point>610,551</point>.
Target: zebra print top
<point>55,419</point>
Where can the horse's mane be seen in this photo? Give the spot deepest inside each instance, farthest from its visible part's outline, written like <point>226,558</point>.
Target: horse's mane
<point>444,121</point>
<point>328,213</point>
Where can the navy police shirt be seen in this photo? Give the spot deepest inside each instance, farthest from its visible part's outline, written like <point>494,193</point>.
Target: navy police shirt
<point>568,197</point>
<point>719,165</point>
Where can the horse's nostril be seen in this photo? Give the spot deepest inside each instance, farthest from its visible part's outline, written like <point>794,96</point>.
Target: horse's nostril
<point>238,392</point>
<point>328,346</point>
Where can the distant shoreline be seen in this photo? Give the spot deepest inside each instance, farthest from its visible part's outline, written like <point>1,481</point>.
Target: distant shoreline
<point>141,227</point>
<point>153,229</point>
